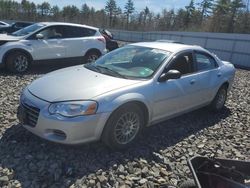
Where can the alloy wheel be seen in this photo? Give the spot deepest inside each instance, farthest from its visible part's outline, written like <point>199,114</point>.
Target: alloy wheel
<point>92,58</point>
<point>21,63</point>
<point>127,127</point>
<point>221,98</point>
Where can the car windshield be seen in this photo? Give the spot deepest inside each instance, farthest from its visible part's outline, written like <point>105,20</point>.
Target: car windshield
<point>130,62</point>
<point>28,30</point>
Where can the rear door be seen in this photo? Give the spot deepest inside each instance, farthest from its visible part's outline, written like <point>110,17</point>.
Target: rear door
<point>78,40</point>
<point>208,74</point>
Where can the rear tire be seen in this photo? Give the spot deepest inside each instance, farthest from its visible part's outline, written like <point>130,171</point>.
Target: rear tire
<point>17,62</point>
<point>220,99</point>
<point>92,56</point>
<point>123,127</point>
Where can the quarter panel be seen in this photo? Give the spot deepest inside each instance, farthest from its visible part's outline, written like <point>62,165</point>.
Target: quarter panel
<point>111,101</point>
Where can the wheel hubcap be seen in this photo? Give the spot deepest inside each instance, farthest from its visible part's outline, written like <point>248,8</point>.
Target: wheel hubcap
<point>21,63</point>
<point>127,127</point>
<point>221,99</point>
<point>92,58</point>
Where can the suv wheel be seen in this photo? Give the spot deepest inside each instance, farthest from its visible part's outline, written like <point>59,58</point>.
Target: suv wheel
<point>18,62</point>
<point>123,127</point>
<point>92,56</point>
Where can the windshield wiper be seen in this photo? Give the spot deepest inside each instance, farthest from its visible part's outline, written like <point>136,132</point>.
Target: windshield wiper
<point>92,67</point>
<point>111,72</point>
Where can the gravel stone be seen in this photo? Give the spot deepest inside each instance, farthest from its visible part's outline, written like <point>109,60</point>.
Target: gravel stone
<point>158,159</point>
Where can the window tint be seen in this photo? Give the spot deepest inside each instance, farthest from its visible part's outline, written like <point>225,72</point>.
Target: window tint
<point>75,32</point>
<point>2,23</point>
<point>183,63</point>
<point>205,61</point>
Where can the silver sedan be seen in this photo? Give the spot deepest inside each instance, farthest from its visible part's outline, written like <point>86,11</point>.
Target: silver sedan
<point>123,92</point>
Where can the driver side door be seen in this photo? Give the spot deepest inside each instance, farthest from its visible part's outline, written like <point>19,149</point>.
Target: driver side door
<point>176,96</point>
<point>51,46</point>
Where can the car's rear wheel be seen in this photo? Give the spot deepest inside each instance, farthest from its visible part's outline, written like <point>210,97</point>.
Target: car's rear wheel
<point>92,56</point>
<point>220,99</point>
<point>18,62</point>
<point>123,127</point>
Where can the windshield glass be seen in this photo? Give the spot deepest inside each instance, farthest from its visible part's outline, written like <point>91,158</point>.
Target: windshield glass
<point>130,62</point>
<point>28,30</point>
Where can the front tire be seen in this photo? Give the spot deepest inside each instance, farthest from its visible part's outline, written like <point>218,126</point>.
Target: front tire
<point>17,62</point>
<point>220,99</point>
<point>123,127</point>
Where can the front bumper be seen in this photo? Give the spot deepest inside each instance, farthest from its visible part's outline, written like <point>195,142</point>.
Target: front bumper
<point>57,128</point>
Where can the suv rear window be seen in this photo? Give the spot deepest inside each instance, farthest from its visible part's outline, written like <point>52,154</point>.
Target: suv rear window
<point>75,32</point>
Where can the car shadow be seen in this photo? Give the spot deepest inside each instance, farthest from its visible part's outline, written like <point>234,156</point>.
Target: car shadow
<point>43,68</point>
<point>36,161</point>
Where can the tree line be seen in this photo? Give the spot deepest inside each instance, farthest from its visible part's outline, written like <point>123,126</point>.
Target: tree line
<point>230,16</point>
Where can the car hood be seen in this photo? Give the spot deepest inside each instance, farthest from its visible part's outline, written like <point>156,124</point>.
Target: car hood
<point>5,37</point>
<point>75,83</point>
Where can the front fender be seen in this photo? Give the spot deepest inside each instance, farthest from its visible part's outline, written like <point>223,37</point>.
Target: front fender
<point>12,46</point>
<point>110,106</point>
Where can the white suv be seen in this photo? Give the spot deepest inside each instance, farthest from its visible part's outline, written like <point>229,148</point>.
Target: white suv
<point>50,41</point>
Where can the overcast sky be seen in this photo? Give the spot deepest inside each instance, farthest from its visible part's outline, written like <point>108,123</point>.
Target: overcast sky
<point>154,5</point>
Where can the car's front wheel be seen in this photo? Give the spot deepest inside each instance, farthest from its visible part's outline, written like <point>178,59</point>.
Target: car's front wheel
<point>17,62</point>
<point>123,127</point>
<point>220,99</point>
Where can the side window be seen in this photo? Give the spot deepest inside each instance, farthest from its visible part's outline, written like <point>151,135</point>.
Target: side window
<point>89,32</point>
<point>76,32</point>
<point>204,61</point>
<point>183,63</point>
<point>53,32</point>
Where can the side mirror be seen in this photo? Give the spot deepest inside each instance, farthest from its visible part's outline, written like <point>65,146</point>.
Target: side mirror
<point>171,74</point>
<point>39,36</point>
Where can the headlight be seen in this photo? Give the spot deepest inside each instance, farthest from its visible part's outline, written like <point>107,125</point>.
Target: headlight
<point>73,108</point>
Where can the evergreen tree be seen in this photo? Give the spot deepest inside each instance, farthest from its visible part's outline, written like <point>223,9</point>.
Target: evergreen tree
<point>128,10</point>
<point>206,8</point>
<point>235,6</point>
<point>110,8</point>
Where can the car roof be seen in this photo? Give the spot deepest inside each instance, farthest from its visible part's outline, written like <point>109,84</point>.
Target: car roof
<point>171,47</point>
<point>67,24</point>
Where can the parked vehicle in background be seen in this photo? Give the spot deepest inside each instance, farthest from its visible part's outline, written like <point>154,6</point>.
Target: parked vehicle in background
<point>123,92</point>
<point>14,26</point>
<point>111,44</point>
<point>3,24</point>
<point>49,41</point>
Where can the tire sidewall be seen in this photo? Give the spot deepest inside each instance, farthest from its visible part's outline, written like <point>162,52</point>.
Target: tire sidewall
<point>108,134</point>
<point>214,105</point>
<point>11,59</point>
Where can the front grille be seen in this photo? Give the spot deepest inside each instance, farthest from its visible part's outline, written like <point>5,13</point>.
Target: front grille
<point>31,114</point>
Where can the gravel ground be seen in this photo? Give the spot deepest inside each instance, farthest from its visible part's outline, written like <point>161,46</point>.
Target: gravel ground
<point>157,160</point>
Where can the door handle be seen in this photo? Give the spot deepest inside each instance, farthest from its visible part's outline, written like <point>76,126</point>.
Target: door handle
<point>219,74</point>
<point>192,81</point>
